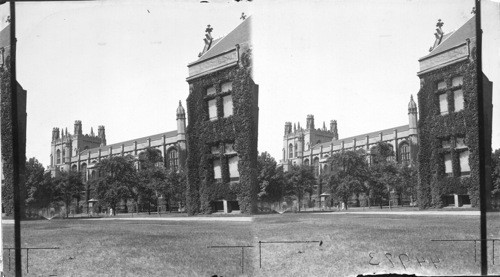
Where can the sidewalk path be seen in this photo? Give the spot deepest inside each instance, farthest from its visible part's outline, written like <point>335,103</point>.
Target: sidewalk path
<point>474,213</point>
<point>234,219</point>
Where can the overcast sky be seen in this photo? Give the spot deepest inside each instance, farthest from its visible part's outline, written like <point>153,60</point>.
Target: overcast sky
<point>123,64</point>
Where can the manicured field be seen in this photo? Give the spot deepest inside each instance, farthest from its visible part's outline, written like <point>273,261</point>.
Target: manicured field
<point>353,243</point>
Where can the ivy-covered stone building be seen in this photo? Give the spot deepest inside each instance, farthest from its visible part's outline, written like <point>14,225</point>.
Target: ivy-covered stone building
<point>6,123</point>
<point>222,133</point>
<point>448,125</point>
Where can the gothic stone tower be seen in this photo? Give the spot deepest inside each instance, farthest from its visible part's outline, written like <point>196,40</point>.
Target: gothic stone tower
<point>222,109</point>
<point>448,126</point>
<point>65,145</point>
<point>300,140</point>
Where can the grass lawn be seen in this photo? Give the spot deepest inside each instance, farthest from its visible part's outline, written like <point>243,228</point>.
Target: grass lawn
<point>175,248</point>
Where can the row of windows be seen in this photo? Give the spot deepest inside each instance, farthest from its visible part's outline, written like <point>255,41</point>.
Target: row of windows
<point>404,153</point>
<point>227,102</point>
<point>172,162</point>
<point>446,98</point>
<point>458,144</point>
<point>232,160</point>
<point>232,167</point>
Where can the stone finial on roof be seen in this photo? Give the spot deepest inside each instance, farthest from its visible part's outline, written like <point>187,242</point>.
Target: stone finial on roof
<point>438,34</point>
<point>208,40</point>
<point>243,16</point>
<point>473,10</point>
<point>209,29</point>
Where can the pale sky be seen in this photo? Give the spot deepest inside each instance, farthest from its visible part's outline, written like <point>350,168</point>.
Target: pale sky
<point>123,64</point>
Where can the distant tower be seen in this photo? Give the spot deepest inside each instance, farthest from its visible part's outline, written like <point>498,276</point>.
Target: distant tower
<point>333,129</point>
<point>101,134</point>
<point>55,133</point>
<point>181,123</point>
<point>412,116</point>
<point>78,127</point>
<point>310,122</point>
<point>288,128</point>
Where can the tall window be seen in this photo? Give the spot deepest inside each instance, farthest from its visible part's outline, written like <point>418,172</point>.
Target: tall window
<point>173,159</point>
<point>443,104</point>
<point>306,161</point>
<point>217,169</point>
<point>464,163</point>
<point>212,109</point>
<point>290,151</point>
<point>227,103</point>
<point>458,99</point>
<point>447,165</point>
<point>404,151</point>
<point>296,147</point>
<point>234,174</point>
<point>316,166</point>
<point>441,85</point>
<point>83,169</point>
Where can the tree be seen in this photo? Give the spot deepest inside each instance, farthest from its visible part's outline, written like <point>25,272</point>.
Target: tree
<point>151,177</point>
<point>117,180</point>
<point>384,176</point>
<point>348,173</point>
<point>408,179</point>
<point>495,172</point>
<point>299,180</point>
<point>68,186</point>
<point>40,191</point>
<point>270,178</point>
<point>174,188</point>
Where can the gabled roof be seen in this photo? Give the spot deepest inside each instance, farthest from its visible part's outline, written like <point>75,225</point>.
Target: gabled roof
<point>449,41</point>
<point>239,35</point>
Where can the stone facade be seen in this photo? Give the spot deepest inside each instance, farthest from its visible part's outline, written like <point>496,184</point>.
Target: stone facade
<point>222,134</point>
<point>80,152</point>
<point>312,146</point>
<point>449,141</point>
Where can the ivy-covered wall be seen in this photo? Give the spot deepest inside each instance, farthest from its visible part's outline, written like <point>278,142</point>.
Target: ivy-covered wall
<point>6,141</point>
<point>434,128</point>
<point>203,134</point>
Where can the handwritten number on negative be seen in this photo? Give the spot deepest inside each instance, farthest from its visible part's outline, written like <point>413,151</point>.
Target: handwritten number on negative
<point>434,262</point>
<point>407,259</point>
<point>371,258</point>
<point>389,258</point>
<point>421,262</point>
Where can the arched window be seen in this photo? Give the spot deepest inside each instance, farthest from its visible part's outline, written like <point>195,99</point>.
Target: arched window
<point>74,168</point>
<point>172,159</point>
<point>306,161</point>
<point>290,151</point>
<point>316,166</point>
<point>83,170</point>
<point>404,152</point>
<point>58,156</point>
